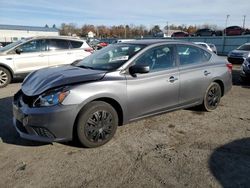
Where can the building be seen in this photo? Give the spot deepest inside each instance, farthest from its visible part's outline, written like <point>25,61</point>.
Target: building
<point>91,34</point>
<point>11,33</point>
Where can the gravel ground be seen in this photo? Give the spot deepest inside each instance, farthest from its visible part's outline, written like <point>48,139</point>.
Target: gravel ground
<point>185,148</point>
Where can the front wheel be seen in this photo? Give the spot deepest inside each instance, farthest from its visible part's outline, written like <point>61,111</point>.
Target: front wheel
<point>5,77</point>
<point>96,124</point>
<point>212,97</point>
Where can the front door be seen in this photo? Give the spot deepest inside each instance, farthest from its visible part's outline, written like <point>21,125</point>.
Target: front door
<point>157,90</point>
<point>33,55</point>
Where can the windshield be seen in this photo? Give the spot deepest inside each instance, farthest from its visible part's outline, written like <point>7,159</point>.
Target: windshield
<point>111,57</point>
<point>244,47</point>
<point>11,45</point>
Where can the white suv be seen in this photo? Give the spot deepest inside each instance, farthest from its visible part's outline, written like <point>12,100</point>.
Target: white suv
<point>22,57</point>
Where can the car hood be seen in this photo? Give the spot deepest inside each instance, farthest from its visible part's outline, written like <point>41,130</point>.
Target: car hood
<point>41,80</point>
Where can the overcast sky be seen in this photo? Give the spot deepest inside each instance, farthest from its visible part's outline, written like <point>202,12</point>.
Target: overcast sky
<point>115,12</point>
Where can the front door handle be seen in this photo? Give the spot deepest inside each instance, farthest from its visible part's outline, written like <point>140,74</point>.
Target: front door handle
<point>206,73</point>
<point>41,55</point>
<point>172,79</point>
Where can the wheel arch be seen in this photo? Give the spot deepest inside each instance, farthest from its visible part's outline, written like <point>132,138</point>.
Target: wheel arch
<point>8,68</point>
<point>221,84</point>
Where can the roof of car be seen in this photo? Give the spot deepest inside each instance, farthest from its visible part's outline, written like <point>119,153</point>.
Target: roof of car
<point>153,41</point>
<point>56,37</point>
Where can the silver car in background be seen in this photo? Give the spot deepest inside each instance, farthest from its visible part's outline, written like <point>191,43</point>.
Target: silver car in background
<point>116,85</point>
<point>211,47</point>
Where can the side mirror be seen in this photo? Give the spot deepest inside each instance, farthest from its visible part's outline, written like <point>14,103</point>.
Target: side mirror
<point>19,50</point>
<point>142,69</point>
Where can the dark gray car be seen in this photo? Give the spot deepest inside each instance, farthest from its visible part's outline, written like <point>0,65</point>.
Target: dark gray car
<point>116,85</point>
<point>238,55</point>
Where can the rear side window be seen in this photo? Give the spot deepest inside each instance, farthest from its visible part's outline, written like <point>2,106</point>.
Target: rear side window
<point>76,44</point>
<point>192,55</point>
<point>58,44</point>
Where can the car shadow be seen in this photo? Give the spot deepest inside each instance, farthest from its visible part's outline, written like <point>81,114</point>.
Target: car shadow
<point>230,163</point>
<point>8,134</point>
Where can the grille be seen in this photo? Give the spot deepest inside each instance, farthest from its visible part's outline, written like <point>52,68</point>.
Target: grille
<point>43,132</point>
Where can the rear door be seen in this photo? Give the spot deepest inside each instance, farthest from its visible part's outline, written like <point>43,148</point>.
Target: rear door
<point>60,52</point>
<point>195,73</point>
<point>157,90</point>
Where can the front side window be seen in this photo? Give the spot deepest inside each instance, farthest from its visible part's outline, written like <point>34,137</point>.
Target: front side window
<point>158,58</point>
<point>111,57</point>
<point>58,44</point>
<point>33,46</point>
<point>192,55</point>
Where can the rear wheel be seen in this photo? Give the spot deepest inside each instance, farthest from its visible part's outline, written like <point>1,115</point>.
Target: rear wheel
<point>212,97</point>
<point>5,77</point>
<point>97,124</point>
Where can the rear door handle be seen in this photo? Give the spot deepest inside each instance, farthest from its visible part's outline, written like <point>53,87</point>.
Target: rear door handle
<point>172,79</point>
<point>206,73</point>
<point>69,53</point>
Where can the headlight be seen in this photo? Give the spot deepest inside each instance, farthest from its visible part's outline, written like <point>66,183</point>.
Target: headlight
<point>51,98</point>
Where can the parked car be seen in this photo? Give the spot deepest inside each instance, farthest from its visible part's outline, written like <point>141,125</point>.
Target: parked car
<point>238,55</point>
<point>205,32</point>
<point>213,47</point>
<point>180,34</point>
<point>209,46</point>
<point>22,57</point>
<point>118,84</point>
<point>122,40</point>
<point>245,70</point>
<point>234,30</point>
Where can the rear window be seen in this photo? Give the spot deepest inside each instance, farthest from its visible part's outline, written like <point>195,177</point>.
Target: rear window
<point>58,44</point>
<point>76,44</point>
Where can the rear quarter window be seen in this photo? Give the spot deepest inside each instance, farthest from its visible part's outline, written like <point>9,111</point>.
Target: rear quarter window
<point>76,44</point>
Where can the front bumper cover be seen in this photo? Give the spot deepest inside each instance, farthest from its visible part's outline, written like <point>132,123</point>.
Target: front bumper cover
<point>44,124</point>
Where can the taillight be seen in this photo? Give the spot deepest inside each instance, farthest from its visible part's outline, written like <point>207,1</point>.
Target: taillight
<point>230,67</point>
<point>89,50</point>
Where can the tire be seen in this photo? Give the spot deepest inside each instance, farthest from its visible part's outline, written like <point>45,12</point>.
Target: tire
<point>5,77</point>
<point>212,97</point>
<point>96,124</point>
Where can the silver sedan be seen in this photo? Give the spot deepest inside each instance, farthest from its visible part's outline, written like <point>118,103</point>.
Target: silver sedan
<point>116,85</point>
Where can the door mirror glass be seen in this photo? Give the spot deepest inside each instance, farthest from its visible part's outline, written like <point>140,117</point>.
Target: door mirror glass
<point>19,50</point>
<point>141,69</point>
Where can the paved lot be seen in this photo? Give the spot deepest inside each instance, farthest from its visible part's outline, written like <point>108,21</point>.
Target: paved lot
<point>185,148</point>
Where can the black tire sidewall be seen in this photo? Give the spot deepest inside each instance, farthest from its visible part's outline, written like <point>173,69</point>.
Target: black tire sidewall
<point>8,76</point>
<point>88,110</point>
<point>205,105</point>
